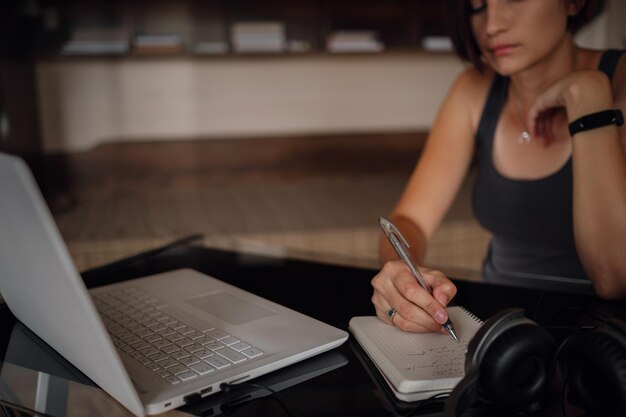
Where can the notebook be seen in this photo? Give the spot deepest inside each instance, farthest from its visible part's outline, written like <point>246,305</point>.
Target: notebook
<point>153,343</point>
<point>416,366</point>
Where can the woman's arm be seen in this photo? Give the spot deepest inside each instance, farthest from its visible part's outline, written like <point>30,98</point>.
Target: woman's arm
<point>427,196</point>
<point>599,174</point>
<point>442,167</point>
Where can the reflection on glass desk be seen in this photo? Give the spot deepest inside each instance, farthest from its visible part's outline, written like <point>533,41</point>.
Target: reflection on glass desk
<point>34,377</point>
<point>35,380</point>
<point>270,384</point>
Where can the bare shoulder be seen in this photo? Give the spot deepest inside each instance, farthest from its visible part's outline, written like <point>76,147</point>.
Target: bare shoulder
<point>618,86</point>
<point>471,81</point>
<point>619,81</point>
<point>590,59</point>
<point>471,89</point>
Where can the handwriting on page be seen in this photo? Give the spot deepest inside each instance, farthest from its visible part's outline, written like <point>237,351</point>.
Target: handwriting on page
<point>441,360</point>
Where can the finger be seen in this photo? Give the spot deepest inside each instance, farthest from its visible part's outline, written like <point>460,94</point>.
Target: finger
<point>410,326</point>
<point>442,288</point>
<point>382,307</point>
<point>533,122</point>
<point>540,123</point>
<point>385,293</point>
<point>383,285</point>
<point>383,314</point>
<point>407,325</point>
<point>550,98</point>
<point>544,132</point>
<point>410,308</point>
<point>410,292</point>
<point>395,275</point>
<point>541,111</point>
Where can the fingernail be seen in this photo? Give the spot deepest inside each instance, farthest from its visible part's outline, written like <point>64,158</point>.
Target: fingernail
<point>441,316</point>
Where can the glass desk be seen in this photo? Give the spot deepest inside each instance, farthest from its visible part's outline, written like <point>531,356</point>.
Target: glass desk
<point>34,377</point>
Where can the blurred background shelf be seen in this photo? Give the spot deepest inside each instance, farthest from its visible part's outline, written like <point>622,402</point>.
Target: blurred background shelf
<point>114,27</point>
<point>142,124</point>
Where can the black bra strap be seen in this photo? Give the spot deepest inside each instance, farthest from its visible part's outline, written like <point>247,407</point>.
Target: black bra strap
<point>609,60</point>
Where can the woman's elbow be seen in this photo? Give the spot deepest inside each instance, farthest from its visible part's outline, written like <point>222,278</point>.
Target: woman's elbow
<point>610,284</point>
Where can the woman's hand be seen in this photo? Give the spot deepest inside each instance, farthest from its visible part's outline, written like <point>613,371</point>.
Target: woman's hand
<point>578,94</point>
<point>416,309</point>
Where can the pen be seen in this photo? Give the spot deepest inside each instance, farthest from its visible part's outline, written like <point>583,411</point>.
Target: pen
<point>400,244</point>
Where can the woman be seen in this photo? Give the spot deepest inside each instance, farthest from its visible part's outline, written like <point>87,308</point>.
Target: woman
<point>555,201</point>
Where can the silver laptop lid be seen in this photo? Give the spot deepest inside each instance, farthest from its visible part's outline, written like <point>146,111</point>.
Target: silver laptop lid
<point>41,286</point>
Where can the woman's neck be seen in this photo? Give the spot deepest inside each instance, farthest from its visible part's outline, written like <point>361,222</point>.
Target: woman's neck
<point>531,82</point>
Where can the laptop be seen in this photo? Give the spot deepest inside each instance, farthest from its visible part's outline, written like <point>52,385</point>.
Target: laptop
<point>28,356</point>
<point>153,343</point>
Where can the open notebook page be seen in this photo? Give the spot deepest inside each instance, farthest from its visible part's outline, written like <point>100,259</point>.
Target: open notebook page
<point>417,362</point>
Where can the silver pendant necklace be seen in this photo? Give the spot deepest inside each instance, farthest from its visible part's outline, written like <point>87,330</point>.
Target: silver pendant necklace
<point>524,137</point>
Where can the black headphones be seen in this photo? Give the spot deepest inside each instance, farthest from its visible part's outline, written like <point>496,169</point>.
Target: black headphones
<point>511,361</point>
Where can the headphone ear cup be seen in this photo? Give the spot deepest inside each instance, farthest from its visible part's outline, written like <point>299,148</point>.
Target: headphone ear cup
<point>463,395</point>
<point>595,368</point>
<point>516,369</point>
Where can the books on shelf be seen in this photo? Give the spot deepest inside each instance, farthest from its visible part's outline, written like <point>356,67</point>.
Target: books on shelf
<point>258,37</point>
<point>354,41</point>
<point>210,48</point>
<point>157,43</point>
<point>86,47</point>
<point>96,41</point>
<point>416,366</point>
<point>437,43</point>
<point>299,46</point>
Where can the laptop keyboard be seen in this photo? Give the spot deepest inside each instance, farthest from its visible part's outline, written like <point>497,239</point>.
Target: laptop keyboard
<point>172,349</point>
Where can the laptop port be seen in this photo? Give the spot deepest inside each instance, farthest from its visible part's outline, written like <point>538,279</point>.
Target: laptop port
<point>191,398</point>
<point>206,391</point>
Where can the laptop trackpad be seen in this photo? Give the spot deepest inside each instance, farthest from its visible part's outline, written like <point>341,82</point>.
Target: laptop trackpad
<point>229,307</point>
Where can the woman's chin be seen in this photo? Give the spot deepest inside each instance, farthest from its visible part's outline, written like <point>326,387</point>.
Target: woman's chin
<point>505,65</point>
<point>506,69</point>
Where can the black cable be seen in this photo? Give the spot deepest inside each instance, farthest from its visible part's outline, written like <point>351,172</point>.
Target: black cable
<point>227,389</point>
<point>428,401</point>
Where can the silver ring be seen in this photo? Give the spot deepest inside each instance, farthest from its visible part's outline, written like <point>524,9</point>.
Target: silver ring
<point>391,313</point>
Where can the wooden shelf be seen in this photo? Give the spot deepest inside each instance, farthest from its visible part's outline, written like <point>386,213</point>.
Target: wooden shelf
<point>397,24</point>
<point>246,56</point>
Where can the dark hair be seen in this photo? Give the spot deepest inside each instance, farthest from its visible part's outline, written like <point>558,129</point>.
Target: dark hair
<point>462,36</point>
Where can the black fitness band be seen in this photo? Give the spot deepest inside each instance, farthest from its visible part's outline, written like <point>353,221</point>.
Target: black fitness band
<point>595,120</point>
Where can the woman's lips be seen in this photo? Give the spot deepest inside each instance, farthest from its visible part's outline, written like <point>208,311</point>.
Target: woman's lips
<point>501,50</point>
